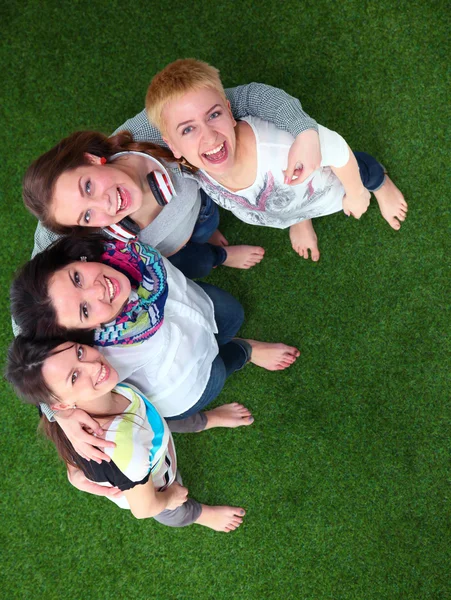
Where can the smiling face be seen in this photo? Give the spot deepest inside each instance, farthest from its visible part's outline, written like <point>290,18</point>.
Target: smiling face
<point>85,295</point>
<point>79,375</point>
<point>94,195</point>
<point>200,127</point>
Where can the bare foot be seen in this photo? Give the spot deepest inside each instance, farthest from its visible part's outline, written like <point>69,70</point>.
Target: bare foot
<point>273,357</point>
<point>217,239</point>
<point>391,202</point>
<point>221,518</point>
<point>243,257</point>
<point>303,238</point>
<point>228,415</point>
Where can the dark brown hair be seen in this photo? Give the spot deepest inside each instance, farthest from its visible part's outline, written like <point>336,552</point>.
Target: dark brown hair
<point>31,306</point>
<point>24,372</point>
<point>41,176</point>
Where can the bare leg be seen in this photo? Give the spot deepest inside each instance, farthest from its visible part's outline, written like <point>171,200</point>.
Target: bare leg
<point>228,415</point>
<point>243,257</point>
<point>303,238</point>
<point>391,202</point>
<point>221,518</point>
<point>217,239</point>
<point>273,357</point>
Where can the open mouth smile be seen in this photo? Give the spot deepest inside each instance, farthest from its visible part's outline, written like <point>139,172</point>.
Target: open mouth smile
<point>122,200</point>
<point>103,375</point>
<point>217,155</point>
<point>112,287</point>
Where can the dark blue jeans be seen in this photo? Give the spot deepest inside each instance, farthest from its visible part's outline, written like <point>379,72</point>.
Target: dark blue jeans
<point>372,173</point>
<point>233,354</point>
<point>197,258</point>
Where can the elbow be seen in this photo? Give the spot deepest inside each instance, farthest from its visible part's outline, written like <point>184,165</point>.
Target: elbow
<point>143,514</point>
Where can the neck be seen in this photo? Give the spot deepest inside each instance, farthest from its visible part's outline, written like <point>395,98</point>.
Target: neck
<point>242,173</point>
<point>137,167</point>
<point>109,405</point>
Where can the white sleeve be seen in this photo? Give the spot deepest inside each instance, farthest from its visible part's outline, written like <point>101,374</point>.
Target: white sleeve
<point>334,149</point>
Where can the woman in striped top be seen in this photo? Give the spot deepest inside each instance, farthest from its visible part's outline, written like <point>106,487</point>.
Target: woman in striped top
<point>142,474</point>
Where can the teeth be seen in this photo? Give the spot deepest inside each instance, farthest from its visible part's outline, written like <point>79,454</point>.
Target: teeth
<point>102,374</point>
<point>215,150</point>
<point>119,200</point>
<point>110,288</point>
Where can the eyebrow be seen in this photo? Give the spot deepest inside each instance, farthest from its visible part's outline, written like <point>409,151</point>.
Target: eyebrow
<point>81,305</point>
<point>71,371</point>
<point>80,187</point>
<point>191,120</point>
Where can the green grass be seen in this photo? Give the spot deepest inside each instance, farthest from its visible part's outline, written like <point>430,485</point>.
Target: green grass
<point>345,473</point>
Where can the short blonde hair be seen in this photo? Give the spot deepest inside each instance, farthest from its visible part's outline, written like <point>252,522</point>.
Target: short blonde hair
<point>174,81</point>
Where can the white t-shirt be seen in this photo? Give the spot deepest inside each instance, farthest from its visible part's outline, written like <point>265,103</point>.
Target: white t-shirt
<point>172,367</point>
<point>268,201</point>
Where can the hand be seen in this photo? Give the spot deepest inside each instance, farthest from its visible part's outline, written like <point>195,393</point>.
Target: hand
<point>76,424</point>
<point>79,481</point>
<point>177,495</point>
<point>356,205</point>
<point>304,157</point>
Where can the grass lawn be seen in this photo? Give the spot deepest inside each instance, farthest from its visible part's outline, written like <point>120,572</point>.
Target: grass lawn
<point>345,472</point>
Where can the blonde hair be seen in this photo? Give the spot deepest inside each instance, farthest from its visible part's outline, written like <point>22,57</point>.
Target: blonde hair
<point>174,81</point>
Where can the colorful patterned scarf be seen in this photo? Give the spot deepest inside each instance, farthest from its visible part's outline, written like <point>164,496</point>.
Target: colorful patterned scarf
<point>143,314</point>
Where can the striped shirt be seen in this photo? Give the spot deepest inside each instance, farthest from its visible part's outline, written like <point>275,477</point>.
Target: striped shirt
<point>144,448</point>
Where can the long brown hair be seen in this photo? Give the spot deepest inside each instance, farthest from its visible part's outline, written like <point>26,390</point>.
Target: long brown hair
<point>41,176</point>
<point>24,371</point>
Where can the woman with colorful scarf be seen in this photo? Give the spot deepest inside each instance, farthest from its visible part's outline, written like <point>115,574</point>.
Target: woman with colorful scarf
<point>172,338</point>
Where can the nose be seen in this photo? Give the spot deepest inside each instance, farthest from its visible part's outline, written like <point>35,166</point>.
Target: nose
<point>95,292</point>
<point>106,201</point>
<point>209,134</point>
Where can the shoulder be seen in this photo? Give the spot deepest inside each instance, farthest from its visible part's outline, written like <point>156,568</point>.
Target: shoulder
<point>141,129</point>
<point>43,238</point>
<point>267,133</point>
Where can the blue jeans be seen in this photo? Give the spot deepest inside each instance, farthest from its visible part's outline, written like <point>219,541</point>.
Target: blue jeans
<point>233,354</point>
<point>372,173</point>
<point>197,258</point>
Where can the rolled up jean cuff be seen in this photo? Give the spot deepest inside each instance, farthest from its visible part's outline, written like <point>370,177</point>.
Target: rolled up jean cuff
<point>191,424</point>
<point>246,347</point>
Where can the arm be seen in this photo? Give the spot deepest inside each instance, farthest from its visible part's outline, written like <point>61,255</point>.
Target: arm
<point>43,237</point>
<point>75,423</point>
<point>357,198</point>
<point>80,482</point>
<point>278,107</point>
<point>146,502</point>
<point>255,99</point>
<point>270,104</point>
<point>339,157</point>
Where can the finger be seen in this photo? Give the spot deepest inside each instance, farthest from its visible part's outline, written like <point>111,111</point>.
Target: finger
<point>302,176</point>
<point>293,164</point>
<point>97,455</point>
<point>90,423</point>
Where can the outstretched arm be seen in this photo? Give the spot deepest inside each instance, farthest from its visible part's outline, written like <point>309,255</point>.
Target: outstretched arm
<point>357,198</point>
<point>339,157</point>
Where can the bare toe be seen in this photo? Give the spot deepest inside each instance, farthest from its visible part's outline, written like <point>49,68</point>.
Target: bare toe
<point>272,356</point>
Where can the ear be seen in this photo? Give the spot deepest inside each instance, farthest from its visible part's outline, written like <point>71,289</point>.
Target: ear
<point>231,113</point>
<point>172,148</point>
<point>60,406</point>
<point>92,158</point>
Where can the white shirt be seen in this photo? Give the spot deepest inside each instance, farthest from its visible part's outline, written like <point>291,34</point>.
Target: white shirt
<point>268,201</point>
<point>172,367</point>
